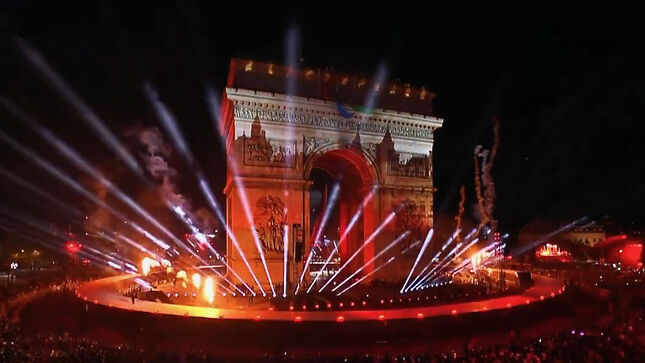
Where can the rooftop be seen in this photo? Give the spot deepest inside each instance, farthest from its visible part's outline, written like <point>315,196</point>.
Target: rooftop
<point>328,86</point>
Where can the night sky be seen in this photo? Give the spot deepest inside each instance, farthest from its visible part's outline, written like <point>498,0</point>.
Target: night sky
<point>569,92</point>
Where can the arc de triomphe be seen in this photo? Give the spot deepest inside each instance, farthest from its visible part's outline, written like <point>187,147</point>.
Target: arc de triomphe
<point>274,141</point>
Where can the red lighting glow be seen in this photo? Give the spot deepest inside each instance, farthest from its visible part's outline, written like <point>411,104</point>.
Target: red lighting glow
<point>628,254</point>
<point>297,319</point>
<point>419,316</point>
<point>340,318</point>
<point>381,317</point>
<point>73,247</point>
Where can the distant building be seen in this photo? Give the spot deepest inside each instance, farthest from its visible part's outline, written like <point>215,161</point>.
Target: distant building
<point>588,235</point>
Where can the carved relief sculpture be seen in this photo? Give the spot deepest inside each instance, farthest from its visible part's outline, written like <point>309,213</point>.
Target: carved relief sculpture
<point>258,150</point>
<point>270,218</point>
<point>411,216</point>
<point>416,166</point>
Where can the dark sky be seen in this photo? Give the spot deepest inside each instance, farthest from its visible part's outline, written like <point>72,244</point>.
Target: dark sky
<point>569,92</point>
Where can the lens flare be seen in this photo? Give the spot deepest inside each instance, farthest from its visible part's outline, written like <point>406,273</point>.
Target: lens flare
<point>285,262</point>
<point>445,262</point>
<point>412,246</point>
<point>41,193</point>
<point>383,251</point>
<point>56,172</point>
<point>75,157</point>
<point>369,240</point>
<point>170,125</point>
<point>425,268</point>
<point>325,217</point>
<point>76,102</point>
<point>83,251</point>
<point>419,255</point>
<point>348,229</point>
<point>521,249</point>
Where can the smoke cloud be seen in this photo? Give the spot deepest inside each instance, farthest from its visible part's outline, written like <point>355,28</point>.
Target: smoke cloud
<point>155,159</point>
<point>460,212</point>
<point>484,184</point>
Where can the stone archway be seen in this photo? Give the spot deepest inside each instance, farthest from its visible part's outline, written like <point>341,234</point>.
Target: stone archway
<point>274,142</point>
<point>355,174</point>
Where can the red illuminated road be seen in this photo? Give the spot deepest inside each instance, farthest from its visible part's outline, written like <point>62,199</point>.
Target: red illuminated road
<point>100,292</point>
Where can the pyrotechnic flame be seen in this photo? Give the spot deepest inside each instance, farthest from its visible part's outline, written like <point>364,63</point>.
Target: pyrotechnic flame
<point>209,290</point>
<point>181,275</point>
<point>197,280</point>
<point>147,264</point>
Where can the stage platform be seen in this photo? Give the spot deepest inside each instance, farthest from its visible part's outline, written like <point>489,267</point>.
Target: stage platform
<point>103,292</point>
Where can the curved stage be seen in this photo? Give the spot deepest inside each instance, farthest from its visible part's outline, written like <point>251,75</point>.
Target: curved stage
<point>99,293</point>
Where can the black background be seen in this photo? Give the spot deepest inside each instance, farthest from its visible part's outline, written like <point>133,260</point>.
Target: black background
<point>567,88</point>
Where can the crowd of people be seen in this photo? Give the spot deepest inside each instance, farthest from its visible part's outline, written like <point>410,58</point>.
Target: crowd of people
<point>608,339</point>
<point>19,347</point>
<point>616,335</point>
<point>619,339</point>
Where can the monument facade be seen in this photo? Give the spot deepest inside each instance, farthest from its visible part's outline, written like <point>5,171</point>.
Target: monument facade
<point>284,128</point>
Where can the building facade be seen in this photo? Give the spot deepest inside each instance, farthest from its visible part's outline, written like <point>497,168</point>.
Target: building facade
<point>284,126</point>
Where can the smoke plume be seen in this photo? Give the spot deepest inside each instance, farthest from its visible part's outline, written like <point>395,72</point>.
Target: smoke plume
<point>486,202</point>
<point>460,212</point>
<point>155,158</point>
<point>478,187</point>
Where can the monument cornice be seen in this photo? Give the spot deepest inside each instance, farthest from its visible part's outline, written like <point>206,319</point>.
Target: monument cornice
<point>315,113</point>
<point>407,188</point>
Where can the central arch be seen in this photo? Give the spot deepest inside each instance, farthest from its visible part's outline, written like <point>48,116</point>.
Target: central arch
<point>355,174</point>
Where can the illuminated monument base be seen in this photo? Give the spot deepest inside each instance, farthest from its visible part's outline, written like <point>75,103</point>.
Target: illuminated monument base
<point>105,292</point>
